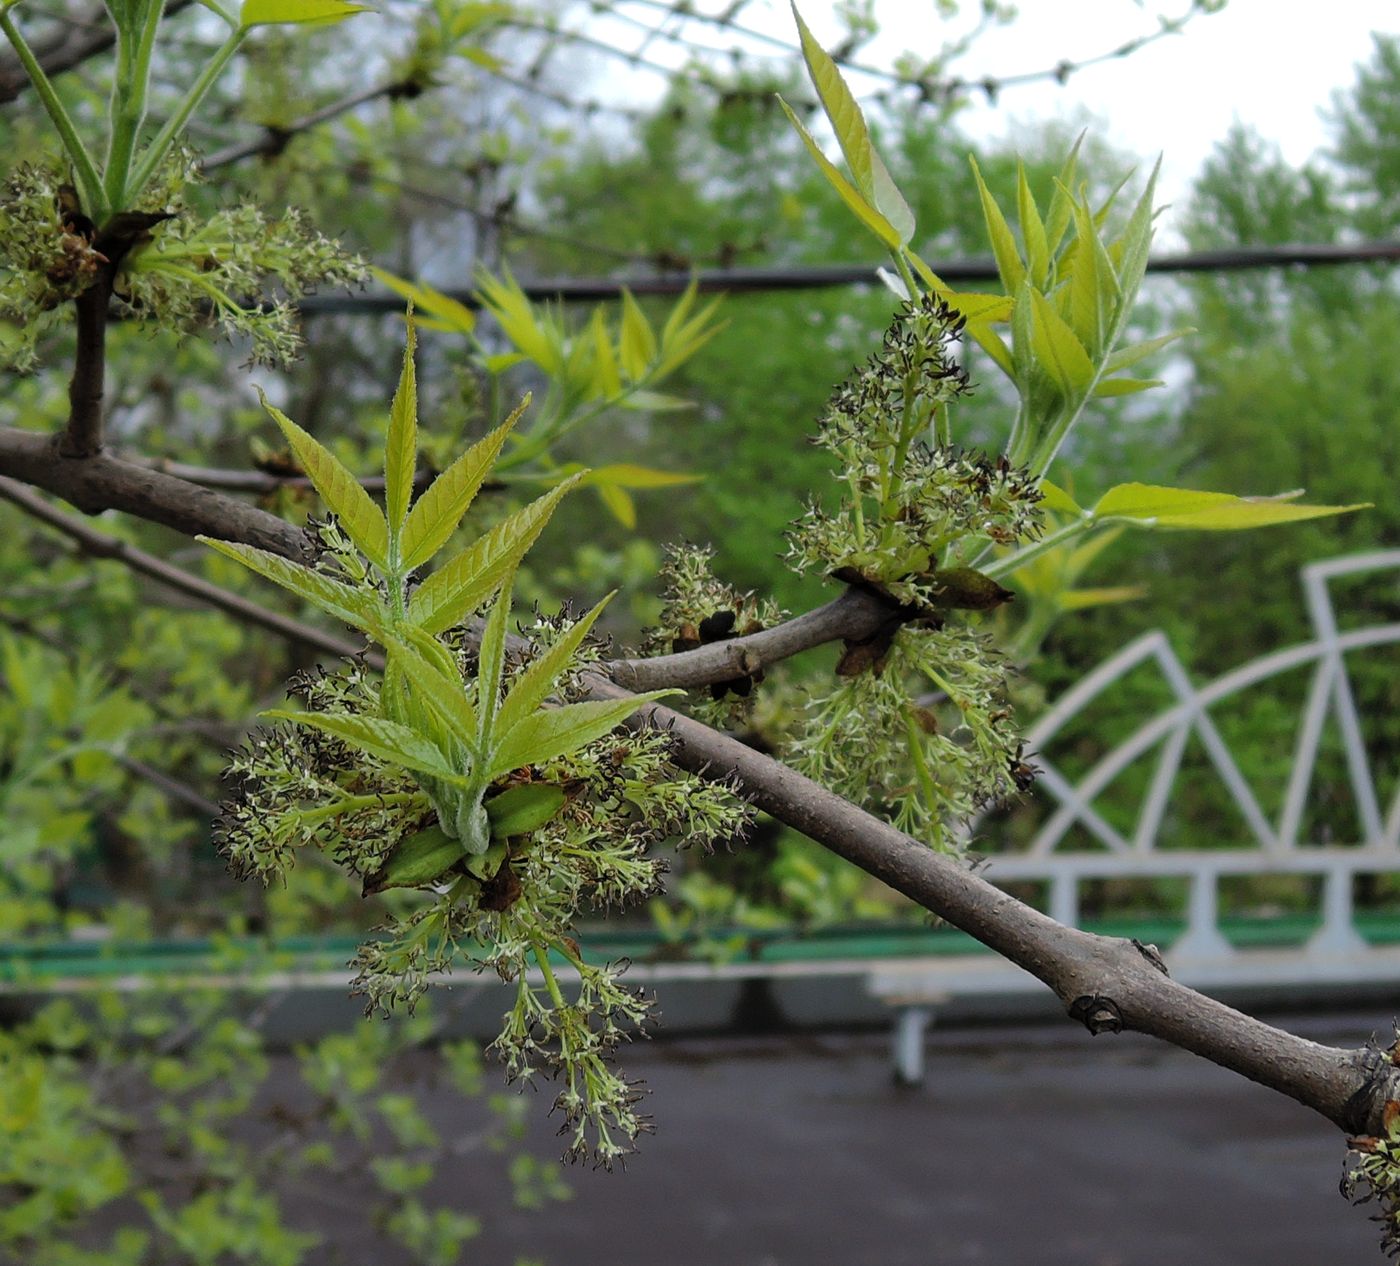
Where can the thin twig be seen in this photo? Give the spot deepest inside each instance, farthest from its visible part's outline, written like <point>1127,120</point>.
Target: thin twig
<point>276,136</point>
<point>100,545</point>
<point>91,35</point>
<point>103,482</point>
<point>171,788</point>
<point>82,437</point>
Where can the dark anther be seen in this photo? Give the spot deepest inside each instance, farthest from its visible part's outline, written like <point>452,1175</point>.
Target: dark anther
<point>1097,1013</point>
<point>1022,772</point>
<point>717,627</point>
<point>502,890</point>
<point>687,638</point>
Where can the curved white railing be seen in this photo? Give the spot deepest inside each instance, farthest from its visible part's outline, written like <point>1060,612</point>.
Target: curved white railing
<point>1267,845</point>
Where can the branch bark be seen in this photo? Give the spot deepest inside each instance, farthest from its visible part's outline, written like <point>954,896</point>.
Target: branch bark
<point>854,616</point>
<point>103,482</point>
<point>100,545</point>
<point>1106,983</point>
<point>82,437</point>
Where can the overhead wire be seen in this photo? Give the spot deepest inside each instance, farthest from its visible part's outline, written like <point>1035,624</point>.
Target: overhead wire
<point>829,276</point>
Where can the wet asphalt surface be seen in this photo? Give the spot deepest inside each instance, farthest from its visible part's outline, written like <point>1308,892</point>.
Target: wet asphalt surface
<point>1033,1144</point>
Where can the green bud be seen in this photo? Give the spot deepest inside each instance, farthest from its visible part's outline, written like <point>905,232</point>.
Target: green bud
<point>968,590</point>
<point>523,809</point>
<point>484,865</point>
<point>416,861</point>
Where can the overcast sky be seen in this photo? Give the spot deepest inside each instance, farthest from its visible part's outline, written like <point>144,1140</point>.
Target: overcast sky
<point>1273,64</point>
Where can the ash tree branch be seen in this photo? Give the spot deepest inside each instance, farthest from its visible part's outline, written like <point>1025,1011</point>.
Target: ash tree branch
<point>275,137</point>
<point>171,788</point>
<point>103,482</point>
<point>100,545</point>
<point>854,616</point>
<point>1107,983</point>
<point>82,437</point>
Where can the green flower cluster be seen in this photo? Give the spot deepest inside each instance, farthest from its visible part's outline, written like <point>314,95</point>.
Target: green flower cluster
<point>237,267</point>
<point>223,268</point>
<point>475,769</point>
<point>926,739</point>
<point>697,608</point>
<point>1376,1173</point>
<point>46,258</point>
<point>622,795</point>
<point>910,498</point>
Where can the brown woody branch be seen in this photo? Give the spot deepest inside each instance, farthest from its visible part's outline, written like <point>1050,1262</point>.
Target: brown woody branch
<point>103,482</point>
<point>100,545</point>
<point>82,437</point>
<point>854,616</point>
<point>1107,983</point>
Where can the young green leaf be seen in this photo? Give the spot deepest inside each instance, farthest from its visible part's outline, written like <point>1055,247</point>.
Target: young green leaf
<point>532,687</point>
<point>607,380</point>
<point>1127,357</point>
<point>618,503</point>
<point>889,202</point>
<point>1033,232</point>
<point>352,606</point>
<point>387,740</point>
<point>343,494</point>
<point>443,692</point>
<point>277,12</point>
<point>1055,498</point>
<point>451,315</point>
<point>542,736</point>
<point>1058,217</point>
<point>1134,243</point>
<point>463,583</point>
<point>867,214</point>
<point>631,475</point>
<point>436,514</point>
<point>491,662</point>
<point>1058,350</point>
<point>841,108</point>
<point>1109,595</point>
<point>1126,386</point>
<point>508,304</point>
<point>1149,506</point>
<point>401,444</point>
<point>1009,265</point>
<point>1093,284</point>
<point>637,346</point>
<point>522,809</point>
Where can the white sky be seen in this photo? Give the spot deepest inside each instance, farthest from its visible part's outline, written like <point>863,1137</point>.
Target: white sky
<point>1273,64</point>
